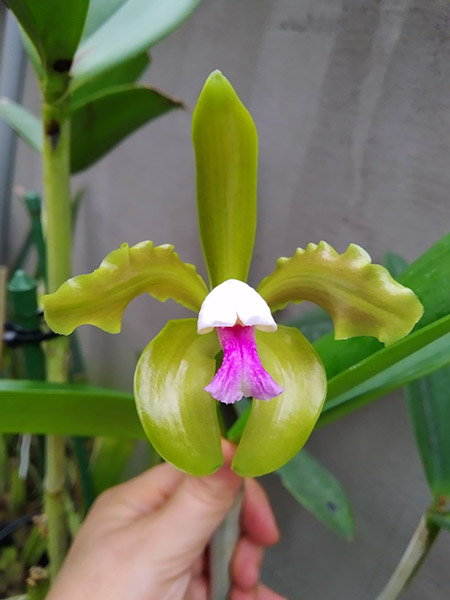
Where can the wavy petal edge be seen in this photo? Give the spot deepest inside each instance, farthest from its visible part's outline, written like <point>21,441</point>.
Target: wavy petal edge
<point>362,298</point>
<point>100,298</point>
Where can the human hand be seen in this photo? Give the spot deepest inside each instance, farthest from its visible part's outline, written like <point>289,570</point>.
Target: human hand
<point>146,539</point>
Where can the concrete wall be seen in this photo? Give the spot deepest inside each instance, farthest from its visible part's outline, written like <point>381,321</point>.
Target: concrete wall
<point>351,99</point>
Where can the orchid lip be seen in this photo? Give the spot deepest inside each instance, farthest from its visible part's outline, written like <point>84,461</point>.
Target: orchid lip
<point>241,373</point>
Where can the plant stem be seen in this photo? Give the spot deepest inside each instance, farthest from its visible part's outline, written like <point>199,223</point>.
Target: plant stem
<point>414,555</point>
<point>221,551</point>
<point>57,224</point>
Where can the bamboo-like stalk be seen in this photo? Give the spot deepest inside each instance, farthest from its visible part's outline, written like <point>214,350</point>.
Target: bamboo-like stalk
<point>57,226</point>
<point>414,555</point>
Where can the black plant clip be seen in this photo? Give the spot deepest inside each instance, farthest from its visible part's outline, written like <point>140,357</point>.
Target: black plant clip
<point>14,335</point>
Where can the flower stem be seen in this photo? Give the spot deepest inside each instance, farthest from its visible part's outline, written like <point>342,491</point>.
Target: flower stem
<point>56,182</point>
<point>414,555</point>
<point>221,551</point>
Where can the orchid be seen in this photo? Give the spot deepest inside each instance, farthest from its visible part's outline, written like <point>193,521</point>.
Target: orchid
<point>176,383</point>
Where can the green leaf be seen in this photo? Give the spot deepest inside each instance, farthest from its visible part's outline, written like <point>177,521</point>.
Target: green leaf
<point>135,26</point>
<point>23,122</point>
<point>33,55</point>
<point>362,298</point>
<point>313,324</point>
<point>125,73</point>
<point>429,407</point>
<point>108,461</point>
<point>428,277</point>
<point>319,492</point>
<point>99,12</point>
<point>66,409</point>
<point>99,122</point>
<point>100,297</point>
<point>419,354</point>
<point>178,416</point>
<point>54,27</point>
<point>226,152</point>
<point>106,119</point>
<point>394,263</point>
<point>276,430</point>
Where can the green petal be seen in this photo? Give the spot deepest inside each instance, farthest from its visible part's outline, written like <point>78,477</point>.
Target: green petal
<point>178,416</point>
<point>363,299</point>
<point>276,430</point>
<point>100,298</point>
<point>226,152</point>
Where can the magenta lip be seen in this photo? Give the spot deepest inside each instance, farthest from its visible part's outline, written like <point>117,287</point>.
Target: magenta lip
<point>241,373</point>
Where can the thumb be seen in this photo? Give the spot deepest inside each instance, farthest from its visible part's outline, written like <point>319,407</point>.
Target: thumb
<point>198,507</point>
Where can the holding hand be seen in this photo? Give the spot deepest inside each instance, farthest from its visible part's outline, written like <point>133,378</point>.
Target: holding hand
<point>146,539</point>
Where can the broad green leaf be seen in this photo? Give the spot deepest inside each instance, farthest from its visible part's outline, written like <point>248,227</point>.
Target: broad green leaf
<point>423,352</point>
<point>394,263</point>
<point>24,123</point>
<point>226,152</point>
<point>100,297</point>
<point>99,12</point>
<point>109,117</point>
<point>314,324</point>
<point>178,416</point>
<point>135,26</point>
<point>419,354</point>
<point>66,409</point>
<point>99,124</point>
<point>276,430</point>
<point>319,492</point>
<point>54,27</point>
<point>362,298</point>
<point>428,277</point>
<point>429,407</point>
<point>125,73</point>
<point>109,458</point>
<point>33,55</point>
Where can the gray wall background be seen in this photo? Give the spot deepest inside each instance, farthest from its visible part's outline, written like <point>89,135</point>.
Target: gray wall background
<point>352,103</point>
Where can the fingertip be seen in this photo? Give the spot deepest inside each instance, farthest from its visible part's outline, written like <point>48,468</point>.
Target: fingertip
<point>246,564</point>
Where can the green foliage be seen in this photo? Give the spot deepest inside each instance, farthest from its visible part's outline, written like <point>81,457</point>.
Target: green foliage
<point>66,409</point>
<point>125,73</point>
<point>23,122</point>
<point>54,27</point>
<point>419,354</point>
<point>99,121</point>
<point>318,490</point>
<point>121,30</point>
<point>429,407</point>
<point>108,117</point>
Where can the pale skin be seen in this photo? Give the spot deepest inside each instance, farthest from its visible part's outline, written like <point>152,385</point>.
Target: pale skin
<point>146,539</point>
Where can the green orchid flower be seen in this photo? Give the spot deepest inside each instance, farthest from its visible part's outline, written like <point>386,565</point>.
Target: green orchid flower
<point>176,386</point>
